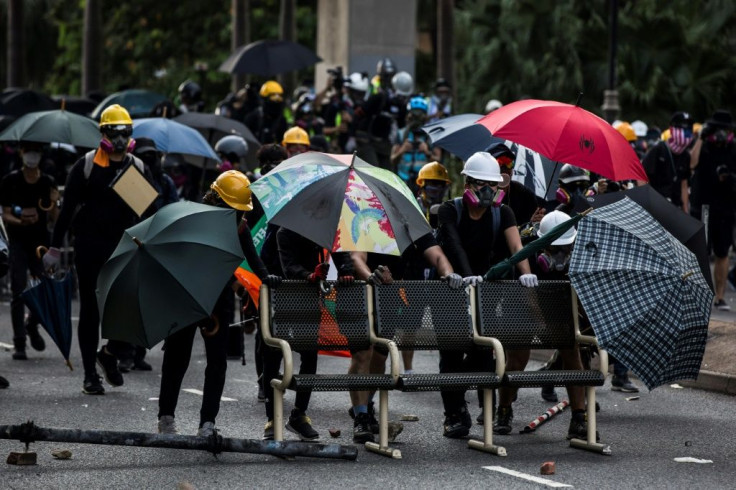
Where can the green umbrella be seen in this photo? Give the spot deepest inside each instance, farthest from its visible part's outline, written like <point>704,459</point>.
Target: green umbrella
<point>167,272</point>
<point>57,126</point>
<point>504,268</point>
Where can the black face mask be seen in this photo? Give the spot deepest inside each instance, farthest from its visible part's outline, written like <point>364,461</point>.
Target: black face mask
<point>272,109</point>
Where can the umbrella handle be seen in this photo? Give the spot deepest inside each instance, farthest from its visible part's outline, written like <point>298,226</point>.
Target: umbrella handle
<point>324,287</point>
<point>41,251</point>
<point>206,333</point>
<point>44,208</point>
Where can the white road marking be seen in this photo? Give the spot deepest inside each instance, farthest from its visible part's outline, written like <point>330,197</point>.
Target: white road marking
<point>524,476</point>
<point>5,346</point>
<point>200,393</point>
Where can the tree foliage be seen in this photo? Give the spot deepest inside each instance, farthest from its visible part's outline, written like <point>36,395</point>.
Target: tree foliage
<point>672,55</point>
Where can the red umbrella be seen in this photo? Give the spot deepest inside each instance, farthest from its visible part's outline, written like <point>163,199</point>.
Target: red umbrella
<point>566,133</point>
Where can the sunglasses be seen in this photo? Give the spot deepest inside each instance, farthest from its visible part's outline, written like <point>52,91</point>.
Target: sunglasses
<point>481,183</point>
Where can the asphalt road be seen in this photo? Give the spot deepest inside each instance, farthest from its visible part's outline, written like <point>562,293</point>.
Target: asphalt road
<point>645,435</point>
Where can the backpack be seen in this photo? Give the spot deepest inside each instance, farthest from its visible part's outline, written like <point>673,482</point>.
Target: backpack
<point>89,163</point>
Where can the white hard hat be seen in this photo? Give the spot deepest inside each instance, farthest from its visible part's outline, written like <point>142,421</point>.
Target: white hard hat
<point>482,166</point>
<point>553,219</point>
<point>640,128</point>
<point>492,105</point>
<point>357,81</point>
<point>403,83</point>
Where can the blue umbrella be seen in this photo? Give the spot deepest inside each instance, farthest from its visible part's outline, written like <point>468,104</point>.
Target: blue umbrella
<point>643,291</point>
<point>173,137</point>
<point>51,300</point>
<point>461,136</point>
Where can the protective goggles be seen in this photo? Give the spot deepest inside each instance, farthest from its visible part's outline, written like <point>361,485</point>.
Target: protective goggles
<point>119,130</point>
<point>481,183</point>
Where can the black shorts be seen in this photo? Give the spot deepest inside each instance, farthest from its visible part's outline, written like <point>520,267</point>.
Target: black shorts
<point>720,229</point>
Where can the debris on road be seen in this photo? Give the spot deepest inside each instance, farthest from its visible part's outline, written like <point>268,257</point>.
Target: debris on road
<point>409,418</point>
<point>335,432</point>
<point>61,454</point>
<point>22,459</point>
<point>631,398</point>
<point>548,468</point>
<point>688,459</point>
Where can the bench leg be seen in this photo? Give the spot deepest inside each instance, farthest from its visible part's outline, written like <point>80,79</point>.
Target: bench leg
<point>278,415</point>
<point>487,443</point>
<point>382,446</point>
<point>591,444</point>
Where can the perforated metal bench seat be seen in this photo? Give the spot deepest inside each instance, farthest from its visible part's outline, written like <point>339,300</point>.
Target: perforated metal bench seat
<point>447,381</point>
<point>340,382</point>
<point>536,379</point>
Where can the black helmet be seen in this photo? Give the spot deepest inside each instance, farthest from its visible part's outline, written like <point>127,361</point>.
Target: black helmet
<point>190,91</point>
<point>570,173</point>
<point>386,67</point>
<point>233,147</point>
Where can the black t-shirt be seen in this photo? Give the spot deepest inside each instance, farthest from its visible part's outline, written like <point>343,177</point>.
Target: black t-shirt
<point>521,200</point>
<point>15,191</point>
<point>666,170</point>
<point>468,246</point>
<point>706,186</point>
<point>404,266</point>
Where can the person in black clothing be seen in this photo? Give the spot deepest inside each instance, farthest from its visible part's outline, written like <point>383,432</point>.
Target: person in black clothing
<point>522,201</point>
<point>481,235</point>
<point>267,122</point>
<point>667,163</point>
<point>97,226</point>
<point>28,198</point>
<point>574,183</point>
<point>301,259</point>
<point>380,269</point>
<point>713,194</point>
<point>231,189</point>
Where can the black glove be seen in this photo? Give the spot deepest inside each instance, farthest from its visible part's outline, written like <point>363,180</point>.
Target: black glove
<point>320,272</point>
<point>345,280</point>
<point>272,281</point>
<point>382,275</point>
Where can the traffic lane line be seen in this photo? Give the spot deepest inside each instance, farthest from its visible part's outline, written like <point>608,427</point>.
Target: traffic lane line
<point>201,393</point>
<point>525,476</point>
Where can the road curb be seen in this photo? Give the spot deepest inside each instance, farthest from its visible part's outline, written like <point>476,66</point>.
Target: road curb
<point>707,380</point>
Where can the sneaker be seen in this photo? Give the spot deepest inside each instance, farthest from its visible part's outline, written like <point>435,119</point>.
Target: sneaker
<point>549,394</point>
<point>579,428</point>
<point>208,429</point>
<point>93,385</point>
<point>721,304</point>
<point>20,355</point>
<point>301,425</point>
<point>125,365</point>
<point>268,431</point>
<point>623,384</point>
<point>167,425</point>
<point>373,423</point>
<point>361,429</point>
<point>3,383</point>
<point>141,365</point>
<point>731,279</point>
<point>457,424</point>
<point>37,341</point>
<point>109,365</point>
<point>502,424</point>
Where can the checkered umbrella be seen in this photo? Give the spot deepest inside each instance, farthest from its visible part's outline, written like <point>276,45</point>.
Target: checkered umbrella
<point>643,292</point>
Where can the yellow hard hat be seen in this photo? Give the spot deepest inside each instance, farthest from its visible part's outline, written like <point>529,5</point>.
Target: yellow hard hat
<point>272,90</point>
<point>665,135</point>
<point>432,171</point>
<point>697,127</point>
<point>233,187</point>
<point>115,115</point>
<point>295,136</point>
<point>626,130</point>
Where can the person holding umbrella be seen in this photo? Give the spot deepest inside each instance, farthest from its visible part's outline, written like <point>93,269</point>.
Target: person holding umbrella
<point>476,231</point>
<point>98,217</point>
<point>28,199</point>
<point>231,189</point>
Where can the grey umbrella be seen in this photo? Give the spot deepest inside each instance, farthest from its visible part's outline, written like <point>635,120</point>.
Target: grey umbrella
<point>643,291</point>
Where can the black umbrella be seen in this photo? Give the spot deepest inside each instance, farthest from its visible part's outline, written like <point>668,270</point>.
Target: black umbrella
<point>20,102</point>
<point>267,58</point>
<point>214,127</point>
<point>688,230</point>
<point>75,104</point>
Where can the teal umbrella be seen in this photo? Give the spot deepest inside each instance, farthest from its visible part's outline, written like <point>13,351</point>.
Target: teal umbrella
<point>57,126</point>
<point>167,272</point>
<point>504,268</point>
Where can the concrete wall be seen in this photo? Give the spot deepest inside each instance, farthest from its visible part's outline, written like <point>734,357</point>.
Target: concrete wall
<point>355,34</point>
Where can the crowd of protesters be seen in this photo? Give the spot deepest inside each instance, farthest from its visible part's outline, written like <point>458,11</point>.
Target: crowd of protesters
<point>379,117</point>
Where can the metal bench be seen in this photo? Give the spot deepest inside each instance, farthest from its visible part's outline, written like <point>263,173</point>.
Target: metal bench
<point>300,316</point>
<point>428,315</point>
<point>545,317</point>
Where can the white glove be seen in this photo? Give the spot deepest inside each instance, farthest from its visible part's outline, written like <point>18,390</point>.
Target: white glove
<point>529,280</point>
<point>472,280</point>
<point>51,259</point>
<point>455,281</point>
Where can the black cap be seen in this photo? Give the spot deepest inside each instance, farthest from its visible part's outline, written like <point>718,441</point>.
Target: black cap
<point>721,119</point>
<point>681,120</point>
<point>142,145</point>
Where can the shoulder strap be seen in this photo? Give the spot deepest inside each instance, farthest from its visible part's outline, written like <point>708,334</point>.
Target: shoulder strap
<point>458,209</point>
<point>89,162</point>
<point>495,223</point>
<point>139,164</point>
